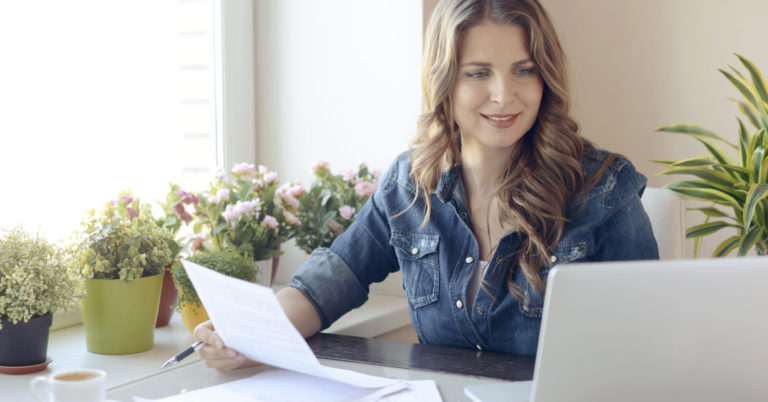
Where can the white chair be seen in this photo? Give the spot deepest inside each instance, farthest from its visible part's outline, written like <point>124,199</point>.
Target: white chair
<point>666,210</point>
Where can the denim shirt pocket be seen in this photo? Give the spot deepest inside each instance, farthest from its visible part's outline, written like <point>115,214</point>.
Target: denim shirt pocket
<point>533,300</point>
<point>418,258</point>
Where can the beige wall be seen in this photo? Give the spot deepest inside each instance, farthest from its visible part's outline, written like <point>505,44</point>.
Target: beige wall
<point>638,65</point>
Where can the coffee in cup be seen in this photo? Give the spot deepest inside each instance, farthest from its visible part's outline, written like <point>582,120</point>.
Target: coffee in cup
<point>78,385</point>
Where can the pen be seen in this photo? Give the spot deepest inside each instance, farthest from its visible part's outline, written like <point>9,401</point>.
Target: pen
<point>181,355</point>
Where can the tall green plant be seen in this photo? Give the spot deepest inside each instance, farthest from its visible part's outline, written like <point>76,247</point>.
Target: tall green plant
<point>736,187</point>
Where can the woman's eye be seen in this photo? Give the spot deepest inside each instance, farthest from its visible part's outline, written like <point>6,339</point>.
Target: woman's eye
<point>525,71</point>
<point>477,74</point>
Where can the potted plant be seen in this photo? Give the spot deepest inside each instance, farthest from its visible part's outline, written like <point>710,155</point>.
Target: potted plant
<point>174,214</point>
<point>331,204</point>
<point>121,253</point>
<point>735,186</point>
<point>227,262</point>
<point>34,283</point>
<point>249,213</point>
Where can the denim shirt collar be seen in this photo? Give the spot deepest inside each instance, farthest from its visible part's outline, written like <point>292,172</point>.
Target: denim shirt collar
<point>451,186</point>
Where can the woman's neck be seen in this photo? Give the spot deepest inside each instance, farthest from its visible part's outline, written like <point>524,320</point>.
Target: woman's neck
<point>481,168</point>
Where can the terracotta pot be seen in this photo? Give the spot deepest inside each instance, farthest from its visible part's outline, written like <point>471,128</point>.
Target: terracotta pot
<point>168,297</point>
<point>25,343</point>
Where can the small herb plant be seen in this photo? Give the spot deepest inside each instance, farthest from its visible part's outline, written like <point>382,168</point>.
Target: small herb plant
<point>227,262</point>
<point>121,242</point>
<point>34,277</point>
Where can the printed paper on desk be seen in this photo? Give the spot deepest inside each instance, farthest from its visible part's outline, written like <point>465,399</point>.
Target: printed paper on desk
<point>249,319</point>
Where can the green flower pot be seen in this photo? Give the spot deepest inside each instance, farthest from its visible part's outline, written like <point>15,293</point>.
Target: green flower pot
<point>119,317</point>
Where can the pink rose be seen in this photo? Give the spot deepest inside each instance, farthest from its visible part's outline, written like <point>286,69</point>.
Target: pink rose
<point>291,219</point>
<point>195,243</point>
<point>365,188</point>
<point>349,175</point>
<point>212,199</point>
<point>263,169</point>
<point>223,194</point>
<point>270,177</point>
<point>258,184</point>
<point>221,175</point>
<point>297,190</point>
<point>244,169</point>
<point>183,214</point>
<point>270,222</point>
<point>335,227</point>
<point>320,165</point>
<point>376,173</point>
<point>346,211</point>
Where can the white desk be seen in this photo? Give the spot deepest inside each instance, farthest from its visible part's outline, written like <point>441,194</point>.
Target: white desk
<point>67,348</point>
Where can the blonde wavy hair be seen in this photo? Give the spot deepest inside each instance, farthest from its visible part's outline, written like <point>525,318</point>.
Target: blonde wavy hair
<point>544,170</point>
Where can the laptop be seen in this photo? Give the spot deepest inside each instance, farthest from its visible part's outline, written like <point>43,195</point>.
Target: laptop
<point>672,330</point>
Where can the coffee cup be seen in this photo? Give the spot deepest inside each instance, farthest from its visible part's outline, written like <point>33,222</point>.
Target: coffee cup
<point>77,385</point>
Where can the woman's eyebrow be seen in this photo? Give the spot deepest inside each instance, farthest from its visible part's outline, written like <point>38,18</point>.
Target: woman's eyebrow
<point>486,64</point>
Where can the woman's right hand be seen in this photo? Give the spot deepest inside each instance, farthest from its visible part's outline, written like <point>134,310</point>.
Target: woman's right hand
<point>215,354</point>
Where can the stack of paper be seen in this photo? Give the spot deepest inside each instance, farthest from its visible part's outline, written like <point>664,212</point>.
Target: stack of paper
<point>249,319</point>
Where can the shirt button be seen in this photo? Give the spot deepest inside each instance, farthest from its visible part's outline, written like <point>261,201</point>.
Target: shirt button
<point>479,310</point>
<point>469,260</point>
<point>463,215</point>
<point>553,259</point>
<point>414,251</point>
<point>459,304</point>
<point>478,347</point>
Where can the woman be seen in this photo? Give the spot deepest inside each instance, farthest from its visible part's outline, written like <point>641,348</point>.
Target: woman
<point>498,187</point>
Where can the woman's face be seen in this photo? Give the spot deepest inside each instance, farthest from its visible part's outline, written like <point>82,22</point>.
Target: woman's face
<point>498,89</point>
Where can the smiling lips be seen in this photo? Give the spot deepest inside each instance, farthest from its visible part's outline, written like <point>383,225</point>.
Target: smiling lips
<point>501,120</point>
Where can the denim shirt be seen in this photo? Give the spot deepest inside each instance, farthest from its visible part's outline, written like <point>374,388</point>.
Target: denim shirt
<point>437,261</point>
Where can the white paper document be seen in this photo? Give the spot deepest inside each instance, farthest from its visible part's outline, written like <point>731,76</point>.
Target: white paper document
<point>249,319</point>
<point>288,386</point>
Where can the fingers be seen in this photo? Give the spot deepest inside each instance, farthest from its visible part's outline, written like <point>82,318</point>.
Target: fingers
<point>215,354</point>
<point>224,359</point>
<point>205,333</point>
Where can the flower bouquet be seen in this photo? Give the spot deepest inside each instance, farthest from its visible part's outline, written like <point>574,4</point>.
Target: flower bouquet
<point>249,212</point>
<point>331,204</point>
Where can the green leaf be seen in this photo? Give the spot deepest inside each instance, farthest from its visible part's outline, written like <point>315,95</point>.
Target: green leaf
<point>743,87</point>
<point>695,161</point>
<point>756,193</point>
<point>758,157</point>
<point>754,143</point>
<point>702,173</point>
<point>743,143</point>
<point>706,229</point>
<point>712,212</point>
<point>726,246</point>
<point>739,172</point>
<point>747,111</point>
<point>718,152</point>
<point>757,78</point>
<point>750,239</point>
<point>704,193</point>
<point>694,130</point>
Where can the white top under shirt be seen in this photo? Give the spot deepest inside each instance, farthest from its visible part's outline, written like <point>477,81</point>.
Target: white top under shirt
<point>475,282</point>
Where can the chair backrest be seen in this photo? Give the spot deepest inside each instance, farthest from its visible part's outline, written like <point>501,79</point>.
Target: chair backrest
<point>666,210</point>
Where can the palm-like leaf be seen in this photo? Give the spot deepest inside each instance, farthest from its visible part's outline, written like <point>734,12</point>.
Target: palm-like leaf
<point>741,183</point>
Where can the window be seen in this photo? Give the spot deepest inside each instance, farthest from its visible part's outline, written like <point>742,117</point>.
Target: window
<point>98,97</point>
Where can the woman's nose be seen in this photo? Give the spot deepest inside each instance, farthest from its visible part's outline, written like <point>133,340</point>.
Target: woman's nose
<point>502,91</point>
